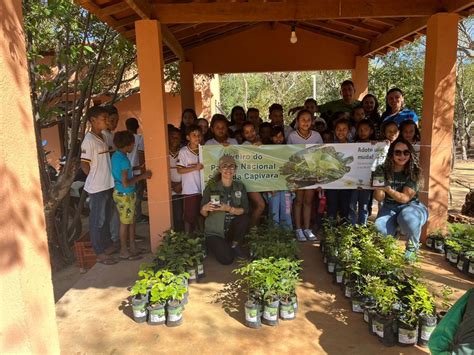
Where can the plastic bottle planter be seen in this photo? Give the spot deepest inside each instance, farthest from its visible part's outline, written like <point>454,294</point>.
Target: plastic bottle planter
<point>325,259</point>
<point>252,314</point>
<point>270,313</point>
<point>429,242</point>
<point>200,270</point>
<point>332,261</point>
<point>294,302</point>
<point>174,312</point>
<point>322,246</point>
<point>287,310</point>
<point>407,335</point>
<point>470,268</point>
<point>139,308</point>
<point>372,314</point>
<point>426,327</point>
<point>368,308</point>
<point>385,328</point>
<point>463,264</point>
<point>453,257</point>
<point>192,275</point>
<point>185,283</point>
<point>156,314</point>
<point>439,245</point>
<point>338,274</point>
<point>357,304</point>
<point>347,290</point>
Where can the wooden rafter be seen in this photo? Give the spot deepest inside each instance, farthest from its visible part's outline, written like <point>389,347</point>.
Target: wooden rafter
<point>112,9</point>
<point>127,21</point>
<point>359,25</point>
<point>290,10</point>
<point>406,28</point>
<point>343,30</point>
<point>198,31</point>
<point>172,43</point>
<point>228,30</point>
<point>457,5</point>
<point>312,28</point>
<point>141,7</point>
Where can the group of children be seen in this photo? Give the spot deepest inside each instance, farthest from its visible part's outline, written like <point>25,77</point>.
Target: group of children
<point>301,210</point>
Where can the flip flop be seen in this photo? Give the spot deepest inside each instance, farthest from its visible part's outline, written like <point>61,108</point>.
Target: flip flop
<point>107,261</point>
<point>131,257</point>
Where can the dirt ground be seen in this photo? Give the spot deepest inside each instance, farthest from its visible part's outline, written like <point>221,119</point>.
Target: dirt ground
<point>93,316</point>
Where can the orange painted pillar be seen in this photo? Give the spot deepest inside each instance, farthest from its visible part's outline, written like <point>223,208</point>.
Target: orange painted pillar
<point>438,114</point>
<point>360,76</point>
<point>28,318</point>
<point>187,85</point>
<point>153,115</point>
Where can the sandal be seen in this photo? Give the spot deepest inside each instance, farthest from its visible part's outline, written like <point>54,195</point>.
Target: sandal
<point>131,257</point>
<point>107,261</point>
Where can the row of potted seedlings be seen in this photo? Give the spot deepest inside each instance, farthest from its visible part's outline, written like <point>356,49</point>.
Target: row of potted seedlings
<point>270,279</point>
<point>371,271</point>
<point>457,246</point>
<point>162,290</point>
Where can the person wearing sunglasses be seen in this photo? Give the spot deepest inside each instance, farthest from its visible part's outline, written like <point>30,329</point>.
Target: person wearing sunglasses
<point>401,207</point>
<point>225,207</point>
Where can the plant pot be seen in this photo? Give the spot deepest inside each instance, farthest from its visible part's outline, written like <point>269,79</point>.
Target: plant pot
<point>287,310</point>
<point>322,246</point>
<point>439,245</point>
<point>426,327</point>
<point>463,264</point>
<point>429,242</point>
<point>338,275</point>
<point>348,290</point>
<point>371,314</point>
<point>156,314</point>
<point>453,257</point>
<point>470,268</point>
<point>367,309</point>
<point>325,259</point>
<point>358,304</point>
<point>270,313</point>
<point>407,334</point>
<point>331,265</point>
<point>184,282</point>
<point>200,270</point>
<point>294,302</point>
<point>252,314</point>
<point>174,313</point>
<point>139,308</point>
<point>385,328</point>
<point>192,275</point>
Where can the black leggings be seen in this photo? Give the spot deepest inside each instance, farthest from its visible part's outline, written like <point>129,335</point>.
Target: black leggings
<point>222,248</point>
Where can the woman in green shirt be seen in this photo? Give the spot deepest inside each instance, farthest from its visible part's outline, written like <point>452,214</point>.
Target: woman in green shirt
<point>225,206</point>
<point>401,207</point>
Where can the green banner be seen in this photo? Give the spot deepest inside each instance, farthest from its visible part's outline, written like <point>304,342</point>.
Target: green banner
<point>297,166</point>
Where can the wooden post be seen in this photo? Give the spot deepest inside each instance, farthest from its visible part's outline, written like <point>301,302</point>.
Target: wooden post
<point>187,85</point>
<point>28,316</point>
<point>153,114</point>
<point>438,114</point>
<point>360,76</point>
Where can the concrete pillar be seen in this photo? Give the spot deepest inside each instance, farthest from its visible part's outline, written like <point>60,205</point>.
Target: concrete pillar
<point>438,114</point>
<point>28,318</point>
<point>153,115</point>
<point>360,76</point>
<point>187,85</point>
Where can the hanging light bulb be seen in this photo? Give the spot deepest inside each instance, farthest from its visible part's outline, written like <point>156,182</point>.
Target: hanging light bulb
<point>293,38</point>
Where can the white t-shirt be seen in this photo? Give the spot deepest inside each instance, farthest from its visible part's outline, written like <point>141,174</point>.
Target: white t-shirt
<point>213,141</point>
<point>133,156</point>
<point>174,176</point>
<point>109,138</point>
<point>191,182</point>
<point>95,151</point>
<point>296,138</point>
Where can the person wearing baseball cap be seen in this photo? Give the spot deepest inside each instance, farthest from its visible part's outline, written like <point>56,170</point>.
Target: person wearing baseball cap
<point>225,207</point>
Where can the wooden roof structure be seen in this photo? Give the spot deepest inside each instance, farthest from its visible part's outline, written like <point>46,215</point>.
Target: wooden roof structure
<point>375,26</point>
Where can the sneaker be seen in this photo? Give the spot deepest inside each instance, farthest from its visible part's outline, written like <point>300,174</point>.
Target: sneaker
<point>300,235</point>
<point>308,233</point>
<point>239,253</point>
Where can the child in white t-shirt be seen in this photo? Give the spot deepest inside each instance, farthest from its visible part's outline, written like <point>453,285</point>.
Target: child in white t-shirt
<point>304,198</point>
<point>174,142</point>
<point>188,166</point>
<point>220,131</point>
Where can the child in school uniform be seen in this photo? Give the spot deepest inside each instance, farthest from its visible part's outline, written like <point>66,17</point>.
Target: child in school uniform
<point>95,162</point>
<point>361,198</point>
<point>338,200</point>
<point>188,166</point>
<point>124,192</point>
<point>304,198</point>
<point>174,143</point>
<point>280,202</point>
<point>220,131</point>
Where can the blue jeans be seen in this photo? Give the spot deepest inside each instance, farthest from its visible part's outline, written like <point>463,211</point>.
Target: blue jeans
<point>409,217</point>
<point>279,208</point>
<point>101,210</point>
<point>338,202</point>
<point>361,199</point>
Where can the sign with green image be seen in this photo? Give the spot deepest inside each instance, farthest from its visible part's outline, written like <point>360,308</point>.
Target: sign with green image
<point>297,166</point>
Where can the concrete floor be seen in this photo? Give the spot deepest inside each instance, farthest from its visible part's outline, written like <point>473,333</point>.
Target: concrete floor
<point>94,316</point>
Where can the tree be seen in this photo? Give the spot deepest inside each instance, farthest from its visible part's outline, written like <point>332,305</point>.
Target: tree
<point>72,57</point>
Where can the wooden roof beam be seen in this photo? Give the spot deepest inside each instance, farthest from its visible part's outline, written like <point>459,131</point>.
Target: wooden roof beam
<point>312,28</point>
<point>457,5</point>
<point>406,28</point>
<point>359,25</point>
<point>112,9</point>
<point>172,43</point>
<point>141,7</point>
<point>290,10</point>
<point>343,30</point>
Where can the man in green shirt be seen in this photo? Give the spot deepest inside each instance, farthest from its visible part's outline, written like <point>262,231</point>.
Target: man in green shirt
<point>346,104</point>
